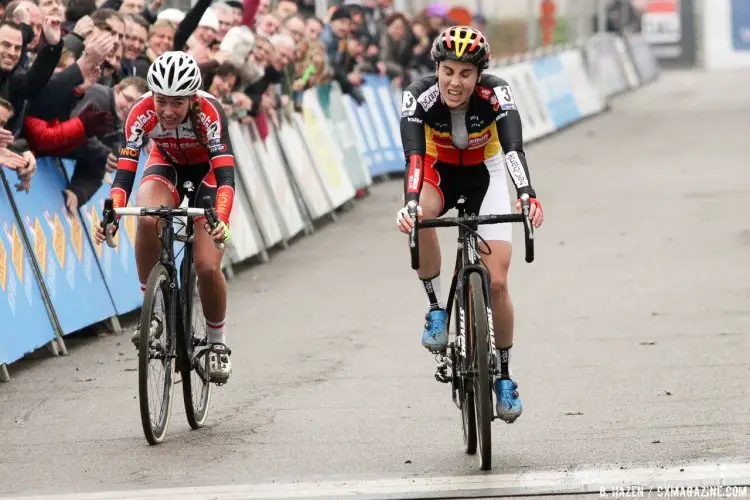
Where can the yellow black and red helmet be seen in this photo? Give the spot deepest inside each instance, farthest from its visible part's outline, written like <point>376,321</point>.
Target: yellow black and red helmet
<point>463,44</point>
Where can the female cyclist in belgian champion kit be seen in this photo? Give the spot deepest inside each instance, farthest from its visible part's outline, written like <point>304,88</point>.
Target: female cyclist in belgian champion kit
<point>461,131</point>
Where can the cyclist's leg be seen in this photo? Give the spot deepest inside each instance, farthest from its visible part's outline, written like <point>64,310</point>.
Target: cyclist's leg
<point>212,288</point>
<point>498,237</point>
<point>157,188</point>
<point>434,202</point>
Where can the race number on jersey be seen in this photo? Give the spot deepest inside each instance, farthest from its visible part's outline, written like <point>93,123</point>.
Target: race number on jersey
<point>505,94</point>
<point>409,105</point>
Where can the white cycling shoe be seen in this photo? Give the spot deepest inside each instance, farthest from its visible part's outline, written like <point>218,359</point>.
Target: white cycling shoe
<point>219,364</point>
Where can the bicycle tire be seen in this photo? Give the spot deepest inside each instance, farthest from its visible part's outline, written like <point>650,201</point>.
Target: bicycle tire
<point>196,404</point>
<point>482,383</point>
<point>157,284</point>
<point>468,420</point>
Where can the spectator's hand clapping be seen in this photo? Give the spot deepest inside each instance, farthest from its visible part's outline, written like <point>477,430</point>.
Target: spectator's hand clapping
<point>96,122</point>
<point>111,163</point>
<point>25,173</point>
<point>156,5</point>
<point>52,28</point>
<point>71,202</point>
<point>98,47</point>
<point>6,138</point>
<point>11,160</point>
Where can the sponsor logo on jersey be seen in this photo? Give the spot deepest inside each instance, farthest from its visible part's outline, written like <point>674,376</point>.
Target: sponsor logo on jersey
<point>515,168</point>
<point>479,141</point>
<point>211,126</point>
<point>217,148</point>
<point>484,93</point>
<point>428,98</point>
<point>133,153</point>
<point>414,174</point>
<point>495,103</point>
<point>415,120</point>
<point>408,105</point>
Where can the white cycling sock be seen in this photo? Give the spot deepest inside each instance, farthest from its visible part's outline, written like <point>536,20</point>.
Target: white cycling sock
<point>215,332</point>
<point>432,287</point>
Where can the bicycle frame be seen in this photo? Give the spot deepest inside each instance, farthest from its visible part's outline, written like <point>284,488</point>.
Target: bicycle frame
<point>468,261</point>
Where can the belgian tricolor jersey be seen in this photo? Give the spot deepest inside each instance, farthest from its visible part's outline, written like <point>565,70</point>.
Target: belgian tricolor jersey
<point>493,125</point>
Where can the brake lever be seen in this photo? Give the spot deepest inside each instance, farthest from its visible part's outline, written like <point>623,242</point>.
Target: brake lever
<point>212,219</point>
<point>108,218</point>
<point>411,208</point>
<point>525,209</point>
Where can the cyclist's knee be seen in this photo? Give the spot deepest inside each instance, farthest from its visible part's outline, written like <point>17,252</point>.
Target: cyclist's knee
<point>499,285</point>
<point>208,268</point>
<point>430,211</point>
<point>148,226</point>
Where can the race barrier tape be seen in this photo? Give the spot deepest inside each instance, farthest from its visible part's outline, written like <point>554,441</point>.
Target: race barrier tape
<point>55,280</point>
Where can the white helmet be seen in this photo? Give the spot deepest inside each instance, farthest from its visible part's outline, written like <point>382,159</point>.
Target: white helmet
<point>174,73</point>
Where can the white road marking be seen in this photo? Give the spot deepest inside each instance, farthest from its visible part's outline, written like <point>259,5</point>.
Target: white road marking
<point>731,479</point>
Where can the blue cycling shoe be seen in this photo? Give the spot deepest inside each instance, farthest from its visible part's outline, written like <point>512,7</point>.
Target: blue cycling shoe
<point>508,401</point>
<point>435,336</point>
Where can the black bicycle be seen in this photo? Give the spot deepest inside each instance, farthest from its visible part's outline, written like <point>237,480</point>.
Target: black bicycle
<point>470,363</point>
<point>172,327</point>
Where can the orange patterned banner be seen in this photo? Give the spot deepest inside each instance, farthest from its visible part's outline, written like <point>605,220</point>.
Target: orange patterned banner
<point>40,245</point>
<point>3,265</point>
<point>17,252</point>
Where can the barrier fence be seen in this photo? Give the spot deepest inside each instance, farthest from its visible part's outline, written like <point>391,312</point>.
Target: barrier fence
<point>55,280</point>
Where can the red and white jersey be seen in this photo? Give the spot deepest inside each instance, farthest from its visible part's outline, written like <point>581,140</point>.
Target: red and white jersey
<point>182,146</point>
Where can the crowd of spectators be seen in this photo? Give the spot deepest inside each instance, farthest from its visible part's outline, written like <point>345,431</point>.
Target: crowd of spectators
<point>70,73</point>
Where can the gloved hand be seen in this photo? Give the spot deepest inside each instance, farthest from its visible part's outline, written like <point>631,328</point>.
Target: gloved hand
<point>96,122</point>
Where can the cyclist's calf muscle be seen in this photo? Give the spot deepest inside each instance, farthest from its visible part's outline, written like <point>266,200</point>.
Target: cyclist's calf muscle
<point>212,285</point>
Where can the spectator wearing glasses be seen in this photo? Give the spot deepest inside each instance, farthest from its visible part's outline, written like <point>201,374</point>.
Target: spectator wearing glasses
<point>99,152</point>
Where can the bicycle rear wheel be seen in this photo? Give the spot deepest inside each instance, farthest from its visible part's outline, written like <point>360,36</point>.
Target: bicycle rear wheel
<point>196,389</point>
<point>481,360</point>
<point>156,356</point>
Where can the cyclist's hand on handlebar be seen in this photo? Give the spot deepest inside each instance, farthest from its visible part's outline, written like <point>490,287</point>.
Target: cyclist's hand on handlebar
<point>220,233</point>
<point>404,221</point>
<point>99,235</point>
<point>536,213</point>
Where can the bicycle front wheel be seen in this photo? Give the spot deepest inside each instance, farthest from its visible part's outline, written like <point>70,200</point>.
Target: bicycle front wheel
<point>463,388</point>
<point>196,389</point>
<point>156,356</point>
<point>480,335</point>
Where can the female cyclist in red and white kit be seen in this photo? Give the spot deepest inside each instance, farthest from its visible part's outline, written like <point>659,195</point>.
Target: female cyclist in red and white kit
<point>190,141</point>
